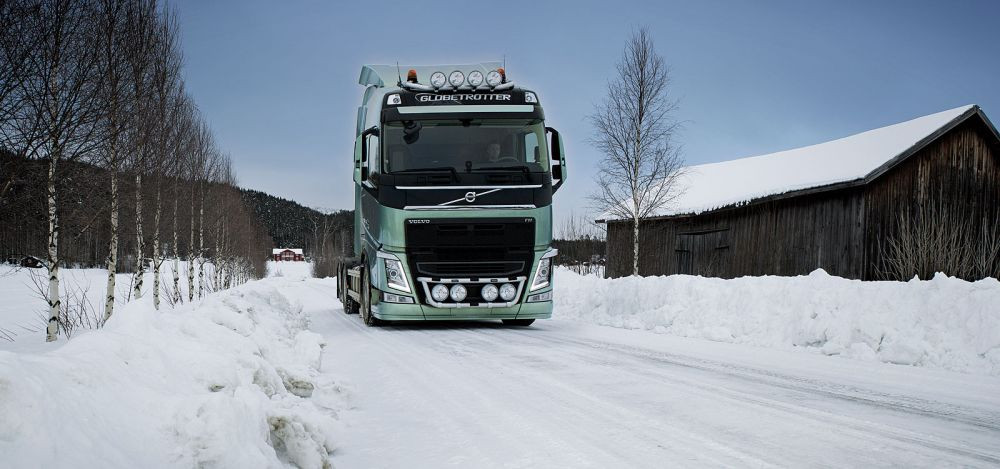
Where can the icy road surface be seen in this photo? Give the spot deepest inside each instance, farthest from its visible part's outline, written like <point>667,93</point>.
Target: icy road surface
<point>566,394</point>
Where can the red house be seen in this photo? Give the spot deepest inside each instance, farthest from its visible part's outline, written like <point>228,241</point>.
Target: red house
<point>287,254</point>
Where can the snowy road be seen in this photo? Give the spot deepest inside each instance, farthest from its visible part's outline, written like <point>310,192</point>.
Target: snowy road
<point>565,394</point>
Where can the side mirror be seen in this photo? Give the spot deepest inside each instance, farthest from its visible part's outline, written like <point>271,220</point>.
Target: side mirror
<point>364,150</point>
<point>558,158</point>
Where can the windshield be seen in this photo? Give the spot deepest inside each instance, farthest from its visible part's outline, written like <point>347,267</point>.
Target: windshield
<point>465,145</point>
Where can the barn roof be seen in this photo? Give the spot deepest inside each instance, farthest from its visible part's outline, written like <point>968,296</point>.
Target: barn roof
<point>855,159</point>
<point>281,250</point>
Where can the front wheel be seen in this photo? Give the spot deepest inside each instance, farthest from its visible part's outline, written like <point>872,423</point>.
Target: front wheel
<point>517,322</point>
<point>366,302</point>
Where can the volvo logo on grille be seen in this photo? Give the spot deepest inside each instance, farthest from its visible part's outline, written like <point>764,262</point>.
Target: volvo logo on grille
<point>470,196</point>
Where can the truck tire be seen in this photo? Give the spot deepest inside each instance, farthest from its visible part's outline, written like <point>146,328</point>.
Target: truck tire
<point>518,322</point>
<point>366,302</point>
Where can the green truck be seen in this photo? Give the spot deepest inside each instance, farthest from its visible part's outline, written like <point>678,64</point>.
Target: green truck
<point>454,172</point>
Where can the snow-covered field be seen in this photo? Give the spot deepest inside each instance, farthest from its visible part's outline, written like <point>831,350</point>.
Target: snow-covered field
<point>24,312</point>
<point>942,323</point>
<point>289,270</point>
<point>241,379</point>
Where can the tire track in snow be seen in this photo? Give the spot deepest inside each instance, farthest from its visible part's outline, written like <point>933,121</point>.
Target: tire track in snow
<point>862,429</point>
<point>590,411</point>
<point>651,431</point>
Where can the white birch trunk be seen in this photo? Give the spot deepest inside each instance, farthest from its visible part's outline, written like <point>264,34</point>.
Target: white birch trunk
<point>140,264</point>
<point>112,262</point>
<point>635,246</point>
<point>52,330</point>
<point>156,249</point>
<point>191,257</point>
<point>176,252</point>
<point>218,259</point>
<point>201,244</point>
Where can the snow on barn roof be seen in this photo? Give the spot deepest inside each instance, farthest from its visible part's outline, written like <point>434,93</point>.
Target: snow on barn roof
<point>281,250</point>
<point>864,155</point>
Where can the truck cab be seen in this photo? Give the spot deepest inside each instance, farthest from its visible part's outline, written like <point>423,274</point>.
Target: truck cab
<point>454,175</point>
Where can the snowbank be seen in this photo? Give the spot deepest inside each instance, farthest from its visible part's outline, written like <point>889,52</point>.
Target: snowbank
<point>24,313</point>
<point>231,381</point>
<point>943,323</point>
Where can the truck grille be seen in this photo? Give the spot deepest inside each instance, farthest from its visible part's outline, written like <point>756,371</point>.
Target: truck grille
<point>470,247</point>
<point>470,269</point>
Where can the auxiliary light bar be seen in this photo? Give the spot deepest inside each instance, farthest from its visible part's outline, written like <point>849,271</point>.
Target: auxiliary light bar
<point>496,80</point>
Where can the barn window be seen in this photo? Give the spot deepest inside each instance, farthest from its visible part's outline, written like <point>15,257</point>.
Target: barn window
<point>702,252</point>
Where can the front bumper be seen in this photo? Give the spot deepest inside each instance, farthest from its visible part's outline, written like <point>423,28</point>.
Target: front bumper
<point>518,308</point>
<point>415,312</point>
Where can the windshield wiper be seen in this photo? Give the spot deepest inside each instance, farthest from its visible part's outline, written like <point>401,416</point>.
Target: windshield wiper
<point>522,168</point>
<point>454,174</point>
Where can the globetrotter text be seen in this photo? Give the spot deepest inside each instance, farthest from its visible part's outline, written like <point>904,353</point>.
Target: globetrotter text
<point>426,97</point>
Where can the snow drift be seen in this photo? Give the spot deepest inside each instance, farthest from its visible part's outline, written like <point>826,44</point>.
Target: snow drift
<point>943,323</point>
<point>232,381</point>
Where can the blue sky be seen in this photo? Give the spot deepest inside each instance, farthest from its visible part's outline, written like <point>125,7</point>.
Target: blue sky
<point>278,80</point>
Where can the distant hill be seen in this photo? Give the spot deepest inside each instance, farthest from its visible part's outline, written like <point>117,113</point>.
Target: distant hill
<point>294,225</point>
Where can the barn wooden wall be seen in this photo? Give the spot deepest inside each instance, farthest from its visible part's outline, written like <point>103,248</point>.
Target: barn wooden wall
<point>840,231</point>
<point>782,237</point>
<point>954,182</point>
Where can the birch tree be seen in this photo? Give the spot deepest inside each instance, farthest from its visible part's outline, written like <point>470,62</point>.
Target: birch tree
<point>634,130</point>
<point>185,142</point>
<point>168,109</point>
<point>56,118</point>
<point>140,56</point>
<point>116,101</point>
<point>198,163</point>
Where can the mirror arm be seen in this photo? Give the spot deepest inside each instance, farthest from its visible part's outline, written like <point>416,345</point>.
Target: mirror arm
<point>373,130</point>
<point>555,153</point>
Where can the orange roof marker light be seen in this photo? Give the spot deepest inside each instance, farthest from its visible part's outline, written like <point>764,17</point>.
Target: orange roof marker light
<point>411,76</point>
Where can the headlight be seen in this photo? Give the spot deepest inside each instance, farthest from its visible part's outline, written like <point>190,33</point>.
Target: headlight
<point>437,79</point>
<point>439,292</point>
<point>458,293</point>
<point>393,100</point>
<point>489,292</point>
<point>394,275</point>
<point>493,78</point>
<point>475,78</point>
<point>542,273</point>
<point>507,292</point>
<point>456,78</point>
<point>530,97</point>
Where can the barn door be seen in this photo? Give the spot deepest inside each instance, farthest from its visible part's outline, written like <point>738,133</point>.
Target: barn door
<point>703,252</point>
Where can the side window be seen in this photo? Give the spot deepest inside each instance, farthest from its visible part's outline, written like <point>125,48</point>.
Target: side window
<point>531,152</point>
<point>373,155</point>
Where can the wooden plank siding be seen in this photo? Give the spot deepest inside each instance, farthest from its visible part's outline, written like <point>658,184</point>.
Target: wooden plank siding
<point>780,237</point>
<point>955,179</point>
<point>838,230</point>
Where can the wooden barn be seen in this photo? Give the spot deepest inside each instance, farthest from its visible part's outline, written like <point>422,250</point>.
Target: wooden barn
<point>914,198</point>
<point>287,254</point>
